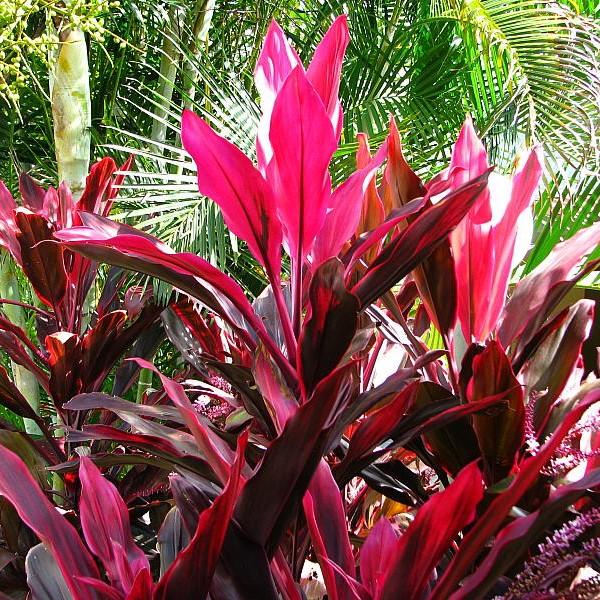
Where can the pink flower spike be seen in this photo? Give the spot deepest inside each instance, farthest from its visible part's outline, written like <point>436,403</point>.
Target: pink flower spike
<point>325,70</point>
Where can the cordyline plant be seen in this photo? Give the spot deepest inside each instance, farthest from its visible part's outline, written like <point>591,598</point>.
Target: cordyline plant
<point>302,406</point>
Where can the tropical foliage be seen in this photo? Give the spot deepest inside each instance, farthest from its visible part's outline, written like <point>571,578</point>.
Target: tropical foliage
<point>318,428</point>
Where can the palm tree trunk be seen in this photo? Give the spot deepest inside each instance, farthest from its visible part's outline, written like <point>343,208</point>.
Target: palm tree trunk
<point>71,109</point>
<point>24,380</point>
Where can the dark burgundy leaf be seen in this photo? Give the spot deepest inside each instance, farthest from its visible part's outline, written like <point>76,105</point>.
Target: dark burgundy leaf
<point>329,326</point>
<point>400,256</point>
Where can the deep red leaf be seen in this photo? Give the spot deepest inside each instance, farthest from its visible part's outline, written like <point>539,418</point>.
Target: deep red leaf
<point>492,518</point>
<point>416,242</point>
<point>501,431</point>
<point>430,535</point>
<point>278,484</point>
<point>42,258</point>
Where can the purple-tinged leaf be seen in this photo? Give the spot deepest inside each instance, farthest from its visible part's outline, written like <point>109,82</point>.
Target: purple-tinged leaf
<point>493,517</point>
<point>278,484</point>
<point>329,326</point>
<point>430,535</point>
<point>44,579</point>
<point>217,452</point>
<point>105,524</point>
<point>553,363</point>
<point>326,519</point>
<point>279,400</point>
<point>377,556</point>
<point>191,573</point>
<point>59,536</point>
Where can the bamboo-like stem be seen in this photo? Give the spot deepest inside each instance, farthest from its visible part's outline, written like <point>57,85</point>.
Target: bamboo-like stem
<point>144,384</point>
<point>71,109</point>
<point>169,62</point>
<point>201,20</point>
<point>24,380</point>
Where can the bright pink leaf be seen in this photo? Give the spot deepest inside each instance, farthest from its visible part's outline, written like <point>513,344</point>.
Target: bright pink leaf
<point>228,176</point>
<point>303,144</point>
<point>346,208</point>
<point>8,227</point>
<point>325,70</point>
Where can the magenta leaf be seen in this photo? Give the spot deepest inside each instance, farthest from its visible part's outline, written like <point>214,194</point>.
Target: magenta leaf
<point>8,231</point>
<point>227,176</point>
<point>303,144</point>
<point>325,70</point>
<point>346,208</point>
<point>105,524</point>
<point>59,536</point>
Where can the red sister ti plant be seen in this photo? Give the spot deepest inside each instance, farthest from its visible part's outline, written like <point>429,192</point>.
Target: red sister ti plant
<point>325,392</point>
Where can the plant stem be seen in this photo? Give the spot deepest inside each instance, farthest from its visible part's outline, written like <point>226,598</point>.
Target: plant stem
<point>24,380</point>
